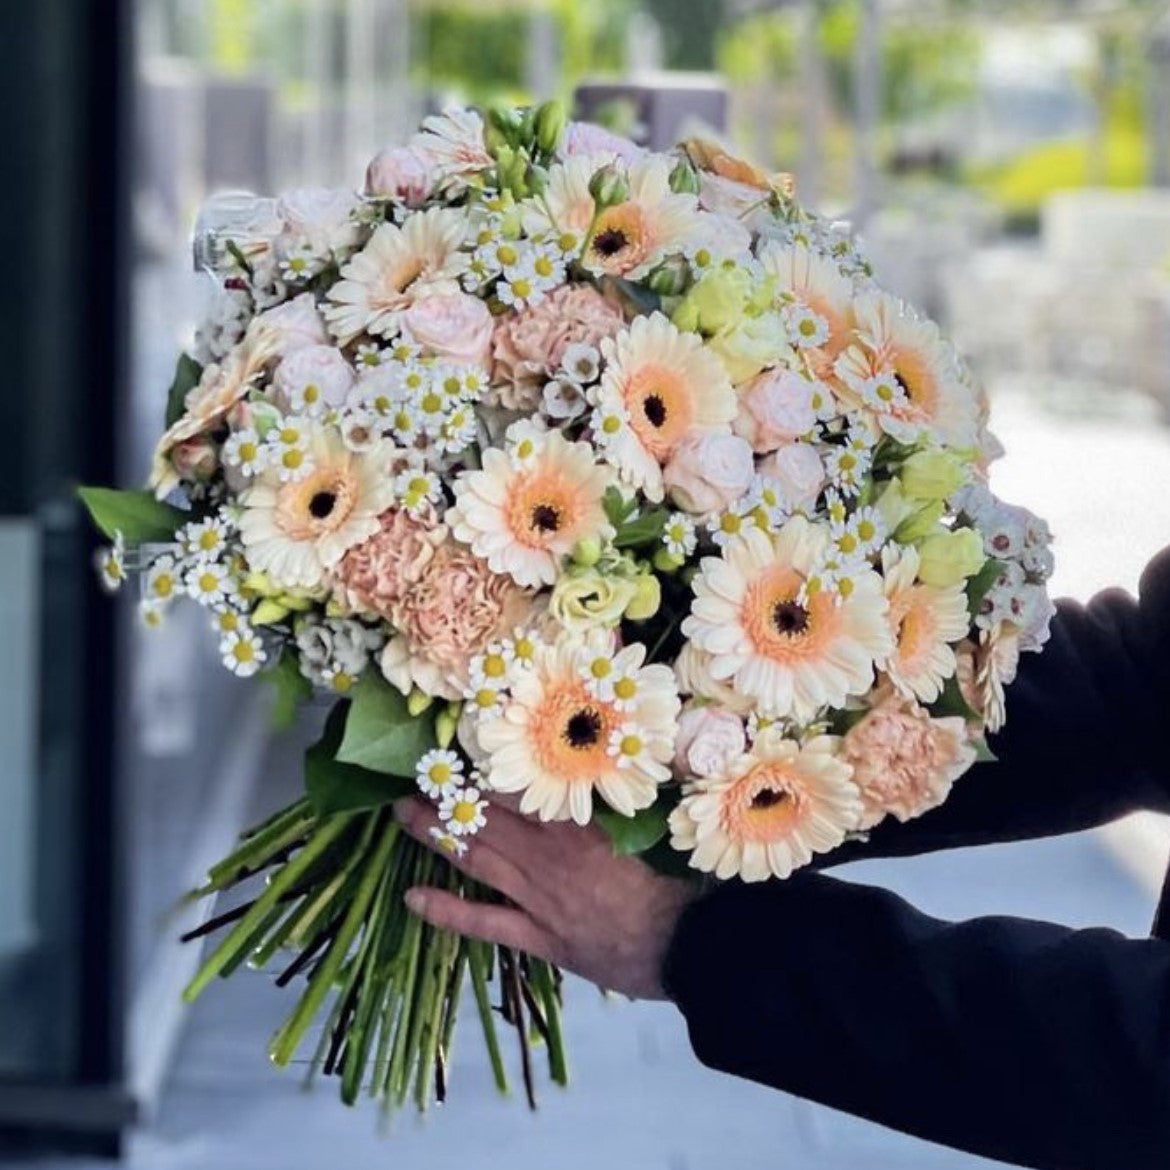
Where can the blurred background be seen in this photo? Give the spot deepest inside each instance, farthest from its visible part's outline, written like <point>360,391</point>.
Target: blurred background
<point>1008,166</point>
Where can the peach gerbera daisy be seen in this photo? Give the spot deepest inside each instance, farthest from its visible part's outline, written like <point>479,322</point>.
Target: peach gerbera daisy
<point>667,384</point>
<point>523,516</point>
<point>769,810</point>
<point>557,739</point>
<point>891,342</point>
<point>926,622</point>
<point>296,531</point>
<point>813,281</point>
<point>390,273</point>
<point>793,652</point>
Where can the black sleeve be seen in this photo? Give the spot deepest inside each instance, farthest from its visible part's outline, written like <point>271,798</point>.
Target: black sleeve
<point>1078,748</point>
<point>1023,1041</point>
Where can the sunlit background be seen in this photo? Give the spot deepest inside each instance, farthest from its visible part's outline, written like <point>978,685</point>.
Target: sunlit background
<point>1008,167</point>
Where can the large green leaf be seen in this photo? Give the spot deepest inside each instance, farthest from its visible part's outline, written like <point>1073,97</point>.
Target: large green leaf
<point>636,834</point>
<point>138,516</point>
<point>980,585</point>
<point>334,786</point>
<point>292,689</point>
<point>187,375</point>
<point>380,733</point>
<point>951,702</point>
<point>644,530</point>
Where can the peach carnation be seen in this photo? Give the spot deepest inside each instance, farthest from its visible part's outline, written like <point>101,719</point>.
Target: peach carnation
<point>528,347</point>
<point>450,613</point>
<point>903,760</point>
<point>376,574</point>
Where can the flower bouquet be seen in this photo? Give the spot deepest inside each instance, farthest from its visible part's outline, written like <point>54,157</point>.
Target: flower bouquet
<point>606,479</point>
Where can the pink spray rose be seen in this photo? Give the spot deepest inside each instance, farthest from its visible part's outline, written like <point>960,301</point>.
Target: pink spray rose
<point>708,470</point>
<point>453,326</point>
<point>775,408</point>
<point>296,323</point>
<point>402,173</point>
<point>709,738</point>
<point>585,138</point>
<point>316,374</point>
<point>798,470</point>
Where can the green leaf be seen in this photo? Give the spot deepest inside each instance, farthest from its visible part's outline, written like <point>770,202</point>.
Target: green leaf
<point>187,375</point>
<point>334,786</point>
<point>292,689</point>
<point>618,509</point>
<point>951,702</point>
<point>239,257</point>
<point>636,834</point>
<point>980,585</point>
<point>983,752</point>
<point>380,733</point>
<point>646,529</point>
<point>138,516</point>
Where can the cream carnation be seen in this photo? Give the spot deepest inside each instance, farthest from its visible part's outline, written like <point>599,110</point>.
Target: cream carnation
<point>793,654</point>
<point>904,762</point>
<point>528,347</point>
<point>768,811</point>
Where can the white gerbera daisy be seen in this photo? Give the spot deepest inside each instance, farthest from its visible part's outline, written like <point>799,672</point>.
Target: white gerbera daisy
<point>891,341</point>
<point>297,531</point>
<point>926,623</point>
<point>462,812</point>
<point>668,385</point>
<point>794,654</point>
<point>769,810</point>
<point>524,519</point>
<point>551,739</point>
<point>384,279</point>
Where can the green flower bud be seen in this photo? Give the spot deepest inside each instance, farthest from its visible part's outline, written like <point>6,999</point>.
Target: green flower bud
<point>647,598</point>
<point>269,612</point>
<point>587,553</point>
<point>666,562</point>
<point>447,723</point>
<point>505,121</point>
<point>932,475</point>
<point>947,558</point>
<point>670,278</point>
<point>260,584</point>
<point>920,523</point>
<point>551,120</point>
<point>418,702</point>
<point>609,186</point>
<point>684,179</point>
<point>718,302</point>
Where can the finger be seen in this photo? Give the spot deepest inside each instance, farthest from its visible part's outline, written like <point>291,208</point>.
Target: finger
<point>480,862</point>
<point>494,924</point>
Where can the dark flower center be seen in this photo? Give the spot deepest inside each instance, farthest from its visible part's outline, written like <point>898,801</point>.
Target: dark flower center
<point>768,798</point>
<point>654,409</point>
<point>790,618</point>
<point>584,729</point>
<point>546,518</point>
<point>322,504</point>
<point>610,242</point>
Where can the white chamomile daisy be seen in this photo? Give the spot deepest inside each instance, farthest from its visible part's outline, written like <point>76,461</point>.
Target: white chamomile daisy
<point>458,431</point>
<point>301,264</point>
<point>493,666</point>
<point>861,535</point>
<point>847,467</point>
<point>439,772</point>
<point>151,614</point>
<point>448,842</point>
<point>243,652</point>
<point>204,540</point>
<point>245,452</point>
<point>520,287</point>
<point>462,812</point>
<point>225,621</point>
<point>338,679</point>
<point>732,522</point>
<point>288,447</point>
<point>210,584</point>
<point>679,535</point>
<point>823,403</point>
<point>627,745</point>
<point>369,356</point>
<point>582,363</point>
<point>111,564</point>
<point>417,489</point>
<point>807,329</point>
<point>162,583</point>
<point>883,393</point>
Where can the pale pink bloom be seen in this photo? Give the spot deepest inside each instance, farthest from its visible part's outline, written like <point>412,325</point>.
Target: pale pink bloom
<point>708,471</point>
<point>308,378</point>
<point>453,326</point>
<point>195,460</point>
<point>709,738</point>
<point>375,575</point>
<point>692,669</point>
<point>904,762</point>
<point>528,347</point>
<point>320,217</point>
<point>775,408</point>
<point>453,144</point>
<point>799,471</point>
<point>584,138</point>
<point>296,324</point>
<point>400,172</point>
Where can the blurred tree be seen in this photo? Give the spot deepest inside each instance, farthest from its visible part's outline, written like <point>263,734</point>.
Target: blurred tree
<point>690,30</point>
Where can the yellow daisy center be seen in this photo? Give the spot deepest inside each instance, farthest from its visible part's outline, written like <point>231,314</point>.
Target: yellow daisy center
<point>464,812</point>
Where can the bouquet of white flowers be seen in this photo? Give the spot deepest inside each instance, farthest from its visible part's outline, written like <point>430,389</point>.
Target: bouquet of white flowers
<point>608,479</point>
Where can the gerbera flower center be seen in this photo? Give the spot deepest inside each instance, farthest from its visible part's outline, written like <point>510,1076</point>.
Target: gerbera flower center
<point>768,798</point>
<point>583,729</point>
<point>661,408</point>
<point>544,510</point>
<point>571,733</point>
<point>546,518</point>
<point>914,377</point>
<point>789,617</point>
<point>620,240</point>
<point>764,805</point>
<point>322,504</point>
<point>655,410</point>
<point>781,627</point>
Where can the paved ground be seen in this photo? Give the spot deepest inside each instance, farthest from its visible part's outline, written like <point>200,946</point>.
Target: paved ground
<point>640,1100</point>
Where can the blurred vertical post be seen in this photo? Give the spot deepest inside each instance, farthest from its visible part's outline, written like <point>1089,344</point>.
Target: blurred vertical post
<point>542,66</point>
<point>361,80</point>
<point>867,77</point>
<point>813,86</point>
<point>1159,99</point>
<point>319,70</point>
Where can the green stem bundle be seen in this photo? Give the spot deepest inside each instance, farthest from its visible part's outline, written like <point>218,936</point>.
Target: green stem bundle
<point>386,984</point>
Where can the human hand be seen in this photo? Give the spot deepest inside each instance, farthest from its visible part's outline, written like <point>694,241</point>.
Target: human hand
<point>609,919</point>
